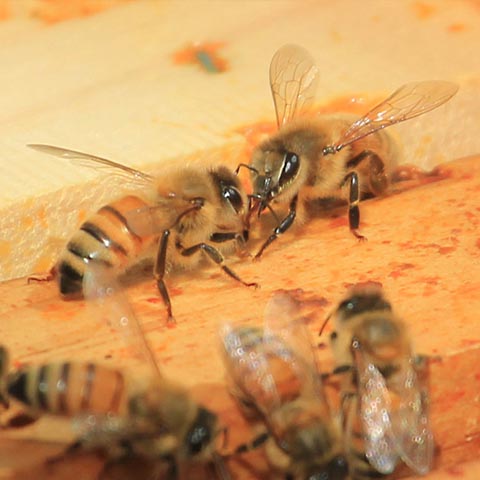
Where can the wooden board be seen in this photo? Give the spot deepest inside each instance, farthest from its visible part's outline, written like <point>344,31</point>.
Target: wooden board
<point>423,247</point>
<point>126,84</point>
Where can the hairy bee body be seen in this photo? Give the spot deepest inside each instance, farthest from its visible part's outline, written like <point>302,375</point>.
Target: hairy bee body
<point>186,214</point>
<point>273,383</point>
<point>319,175</point>
<point>373,352</point>
<point>161,421</point>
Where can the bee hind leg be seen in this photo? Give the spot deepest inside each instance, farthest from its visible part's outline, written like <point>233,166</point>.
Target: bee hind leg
<point>353,200</point>
<point>159,273</point>
<point>73,449</point>
<point>377,184</point>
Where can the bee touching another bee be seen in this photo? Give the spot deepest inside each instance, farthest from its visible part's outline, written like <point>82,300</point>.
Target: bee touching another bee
<point>384,403</point>
<point>274,378</point>
<point>193,210</point>
<point>328,156</point>
<point>121,415</point>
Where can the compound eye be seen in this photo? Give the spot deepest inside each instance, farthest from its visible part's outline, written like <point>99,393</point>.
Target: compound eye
<point>233,196</point>
<point>198,438</point>
<point>291,163</point>
<point>338,468</point>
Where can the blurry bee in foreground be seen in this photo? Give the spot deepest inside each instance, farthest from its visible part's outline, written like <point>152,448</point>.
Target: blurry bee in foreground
<point>383,401</point>
<point>184,214</point>
<point>328,156</point>
<point>123,416</point>
<point>273,377</point>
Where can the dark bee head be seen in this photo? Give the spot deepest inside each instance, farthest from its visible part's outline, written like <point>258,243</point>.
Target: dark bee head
<point>362,301</point>
<point>280,170</point>
<point>335,469</point>
<point>202,432</point>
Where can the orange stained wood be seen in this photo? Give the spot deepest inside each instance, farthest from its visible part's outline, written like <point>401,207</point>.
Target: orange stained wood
<point>423,248</point>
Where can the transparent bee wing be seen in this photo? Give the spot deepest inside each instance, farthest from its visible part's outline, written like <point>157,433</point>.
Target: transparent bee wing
<point>410,424</point>
<point>155,219</point>
<point>248,365</point>
<point>283,320</point>
<point>92,161</point>
<point>375,413</point>
<point>409,101</point>
<point>293,80</point>
<point>101,289</point>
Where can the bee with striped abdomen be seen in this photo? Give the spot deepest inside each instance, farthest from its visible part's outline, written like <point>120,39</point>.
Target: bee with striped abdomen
<point>384,402</point>
<point>120,414</point>
<point>328,156</point>
<point>182,214</point>
<point>274,378</point>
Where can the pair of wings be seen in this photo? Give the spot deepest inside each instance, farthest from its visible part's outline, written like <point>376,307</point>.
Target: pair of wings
<point>393,427</point>
<point>294,79</point>
<point>251,351</point>
<point>144,221</point>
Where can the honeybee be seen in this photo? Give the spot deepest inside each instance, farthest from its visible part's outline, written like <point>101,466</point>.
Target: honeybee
<point>328,156</point>
<point>384,402</point>
<point>193,210</point>
<point>119,414</point>
<point>274,378</point>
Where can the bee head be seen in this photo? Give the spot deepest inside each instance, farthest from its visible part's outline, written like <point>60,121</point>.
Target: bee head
<point>361,301</point>
<point>280,168</point>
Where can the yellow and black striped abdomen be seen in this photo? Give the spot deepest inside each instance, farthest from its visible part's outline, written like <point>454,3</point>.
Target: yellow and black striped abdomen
<point>69,389</point>
<point>106,239</point>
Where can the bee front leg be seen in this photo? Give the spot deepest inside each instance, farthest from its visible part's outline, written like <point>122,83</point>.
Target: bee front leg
<point>285,224</point>
<point>239,238</point>
<point>216,256</point>
<point>159,273</point>
<point>353,200</point>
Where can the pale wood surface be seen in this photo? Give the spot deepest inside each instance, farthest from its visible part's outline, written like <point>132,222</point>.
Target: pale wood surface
<point>107,84</point>
<point>423,248</point>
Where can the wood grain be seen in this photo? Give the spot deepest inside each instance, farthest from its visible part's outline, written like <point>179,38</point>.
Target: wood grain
<point>423,247</point>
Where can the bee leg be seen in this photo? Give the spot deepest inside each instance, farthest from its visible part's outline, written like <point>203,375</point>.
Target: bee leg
<point>72,449</point>
<point>172,470</point>
<point>159,273</point>
<point>340,370</point>
<point>285,224</point>
<point>377,178</point>
<point>216,256</point>
<point>353,201</point>
<point>240,240</point>
<point>19,420</point>
<point>258,441</point>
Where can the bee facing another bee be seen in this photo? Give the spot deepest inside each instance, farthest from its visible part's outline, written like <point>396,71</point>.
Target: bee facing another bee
<point>193,210</point>
<point>273,377</point>
<point>329,156</point>
<point>118,414</point>
<point>383,401</point>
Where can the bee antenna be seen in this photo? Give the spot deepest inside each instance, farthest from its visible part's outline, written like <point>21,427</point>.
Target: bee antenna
<point>248,167</point>
<point>324,324</point>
